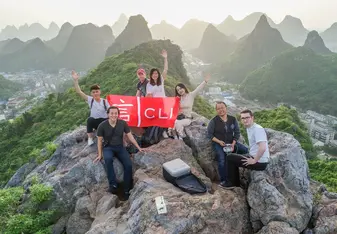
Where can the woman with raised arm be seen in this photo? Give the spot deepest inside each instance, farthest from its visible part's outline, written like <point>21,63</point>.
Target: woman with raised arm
<point>184,117</point>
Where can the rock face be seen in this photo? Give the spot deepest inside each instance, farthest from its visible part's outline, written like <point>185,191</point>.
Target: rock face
<point>186,213</point>
<point>316,43</point>
<point>324,217</point>
<point>279,198</point>
<point>281,192</point>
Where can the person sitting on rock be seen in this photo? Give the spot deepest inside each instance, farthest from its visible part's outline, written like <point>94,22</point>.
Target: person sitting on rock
<point>141,85</point>
<point>98,107</point>
<point>110,144</point>
<point>224,129</point>
<point>184,117</point>
<point>258,157</point>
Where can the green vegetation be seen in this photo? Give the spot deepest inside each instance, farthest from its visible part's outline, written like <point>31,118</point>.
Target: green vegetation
<point>325,172</point>
<point>17,217</point>
<point>22,139</point>
<point>286,120</point>
<point>299,77</point>
<point>7,88</point>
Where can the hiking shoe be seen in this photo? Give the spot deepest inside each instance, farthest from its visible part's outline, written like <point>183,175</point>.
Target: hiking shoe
<point>226,185</point>
<point>112,190</point>
<point>125,196</point>
<point>90,141</point>
<point>165,135</point>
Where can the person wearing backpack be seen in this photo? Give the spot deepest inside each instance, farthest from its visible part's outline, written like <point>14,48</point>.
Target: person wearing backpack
<point>98,107</point>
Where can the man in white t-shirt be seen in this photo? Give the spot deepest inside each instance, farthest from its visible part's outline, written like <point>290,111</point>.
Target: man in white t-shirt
<point>258,157</point>
<point>98,107</point>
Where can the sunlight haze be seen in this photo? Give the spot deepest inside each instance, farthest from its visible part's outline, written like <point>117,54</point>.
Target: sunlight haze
<point>314,14</point>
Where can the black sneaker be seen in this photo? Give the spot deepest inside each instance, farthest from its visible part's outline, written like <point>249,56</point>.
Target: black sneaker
<point>112,190</point>
<point>125,196</point>
<point>226,185</point>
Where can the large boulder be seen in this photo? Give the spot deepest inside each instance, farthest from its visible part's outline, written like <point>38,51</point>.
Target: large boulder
<point>324,218</point>
<point>281,192</point>
<point>196,138</point>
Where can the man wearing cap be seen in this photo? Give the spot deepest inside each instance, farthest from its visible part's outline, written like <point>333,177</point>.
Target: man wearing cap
<point>141,86</point>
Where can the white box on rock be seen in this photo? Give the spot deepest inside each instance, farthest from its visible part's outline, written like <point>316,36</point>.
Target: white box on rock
<point>176,168</point>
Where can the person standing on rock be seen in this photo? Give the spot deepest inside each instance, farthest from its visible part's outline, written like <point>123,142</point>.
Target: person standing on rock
<point>110,144</point>
<point>98,107</point>
<point>141,85</point>
<point>224,130</point>
<point>184,117</point>
<point>258,157</point>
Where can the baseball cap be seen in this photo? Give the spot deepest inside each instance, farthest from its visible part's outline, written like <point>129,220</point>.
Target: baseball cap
<point>141,71</point>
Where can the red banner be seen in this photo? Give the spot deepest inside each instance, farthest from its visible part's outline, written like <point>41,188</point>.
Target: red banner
<point>146,111</point>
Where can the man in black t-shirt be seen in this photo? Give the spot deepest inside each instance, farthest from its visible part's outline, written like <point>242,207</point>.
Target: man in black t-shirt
<point>110,144</point>
<point>141,85</point>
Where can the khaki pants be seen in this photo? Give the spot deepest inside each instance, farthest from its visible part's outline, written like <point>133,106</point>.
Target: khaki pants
<point>180,124</point>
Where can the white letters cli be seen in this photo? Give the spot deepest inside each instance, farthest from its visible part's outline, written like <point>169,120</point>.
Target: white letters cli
<point>150,113</point>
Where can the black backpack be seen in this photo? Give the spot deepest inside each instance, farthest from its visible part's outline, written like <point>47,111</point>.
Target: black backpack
<point>152,136</point>
<point>92,102</point>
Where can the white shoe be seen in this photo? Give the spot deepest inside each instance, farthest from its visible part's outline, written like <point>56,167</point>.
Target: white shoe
<point>180,138</point>
<point>165,135</point>
<point>176,138</point>
<point>90,141</point>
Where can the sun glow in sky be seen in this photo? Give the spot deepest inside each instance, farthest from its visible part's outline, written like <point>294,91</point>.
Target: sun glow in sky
<point>315,14</point>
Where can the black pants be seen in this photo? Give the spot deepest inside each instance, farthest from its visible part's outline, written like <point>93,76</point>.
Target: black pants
<point>93,123</point>
<point>235,161</point>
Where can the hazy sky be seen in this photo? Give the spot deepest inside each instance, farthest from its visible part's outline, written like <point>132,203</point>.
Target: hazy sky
<point>315,14</point>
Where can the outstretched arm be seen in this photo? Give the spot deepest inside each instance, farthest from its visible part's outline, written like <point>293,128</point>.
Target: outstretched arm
<point>164,54</point>
<point>201,86</point>
<point>77,87</point>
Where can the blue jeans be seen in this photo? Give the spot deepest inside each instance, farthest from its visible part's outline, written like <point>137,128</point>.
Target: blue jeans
<point>120,152</point>
<point>222,158</point>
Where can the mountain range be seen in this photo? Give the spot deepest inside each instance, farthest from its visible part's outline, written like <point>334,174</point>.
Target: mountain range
<point>252,51</point>
<point>27,32</point>
<point>135,33</point>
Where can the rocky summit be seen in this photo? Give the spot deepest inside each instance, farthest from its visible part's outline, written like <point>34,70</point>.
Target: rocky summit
<point>277,200</point>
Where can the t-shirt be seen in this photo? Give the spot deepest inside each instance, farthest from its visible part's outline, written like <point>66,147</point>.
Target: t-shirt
<point>142,87</point>
<point>156,90</point>
<point>186,102</point>
<point>98,110</point>
<point>257,134</point>
<point>113,136</point>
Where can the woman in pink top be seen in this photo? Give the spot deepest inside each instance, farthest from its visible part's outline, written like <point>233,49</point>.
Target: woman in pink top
<point>184,117</point>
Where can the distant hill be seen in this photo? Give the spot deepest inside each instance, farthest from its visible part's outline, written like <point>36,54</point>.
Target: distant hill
<point>240,28</point>
<point>299,77</point>
<point>35,55</point>
<point>191,34</point>
<point>135,33</point>
<point>215,47</point>
<point>59,42</point>
<point>7,88</point>
<point>85,47</point>
<point>252,51</point>
<point>11,45</point>
<point>119,25</point>
<point>292,30</point>
<point>165,31</point>
<point>330,37</point>
<point>316,43</point>
<point>28,32</point>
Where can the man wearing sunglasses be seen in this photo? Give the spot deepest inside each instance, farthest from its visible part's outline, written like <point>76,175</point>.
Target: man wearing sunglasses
<point>258,157</point>
<point>224,131</point>
<point>98,107</point>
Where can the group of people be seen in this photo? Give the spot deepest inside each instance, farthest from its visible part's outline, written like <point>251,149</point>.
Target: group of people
<point>223,130</point>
